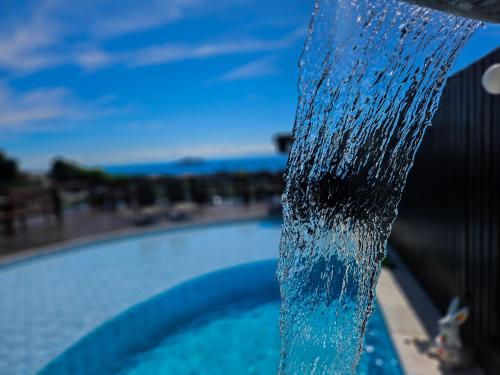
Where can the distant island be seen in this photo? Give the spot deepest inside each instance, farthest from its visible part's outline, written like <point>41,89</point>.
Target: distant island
<point>189,160</point>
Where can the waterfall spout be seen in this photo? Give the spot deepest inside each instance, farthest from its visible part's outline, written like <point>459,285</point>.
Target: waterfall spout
<point>371,74</point>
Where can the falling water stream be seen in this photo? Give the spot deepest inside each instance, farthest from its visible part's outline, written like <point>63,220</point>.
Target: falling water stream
<point>371,75</point>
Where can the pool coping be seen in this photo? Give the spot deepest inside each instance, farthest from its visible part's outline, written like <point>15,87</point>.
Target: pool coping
<point>410,315</point>
<point>125,233</point>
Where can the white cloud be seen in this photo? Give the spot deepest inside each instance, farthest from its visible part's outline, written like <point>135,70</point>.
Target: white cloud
<point>258,68</point>
<point>45,109</point>
<point>134,16</point>
<point>55,32</point>
<point>23,44</point>
<point>169,53</point>
<point>92,59</point>
<point>41,105</point>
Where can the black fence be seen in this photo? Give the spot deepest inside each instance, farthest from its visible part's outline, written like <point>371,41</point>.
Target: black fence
<point>449,218</point>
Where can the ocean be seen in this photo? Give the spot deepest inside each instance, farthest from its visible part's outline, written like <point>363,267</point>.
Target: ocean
<point>198,166</point>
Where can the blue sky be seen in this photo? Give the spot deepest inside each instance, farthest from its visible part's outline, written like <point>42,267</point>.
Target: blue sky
<point>113,82</point>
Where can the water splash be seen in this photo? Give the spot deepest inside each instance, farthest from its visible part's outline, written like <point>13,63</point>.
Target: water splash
<point>371,75</point>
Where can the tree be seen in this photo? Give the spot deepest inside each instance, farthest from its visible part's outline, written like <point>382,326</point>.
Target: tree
<point>63,171</point>
<point>9,171</point>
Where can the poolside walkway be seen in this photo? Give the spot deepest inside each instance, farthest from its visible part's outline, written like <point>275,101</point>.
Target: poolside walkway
<point>411,319</point>
<point>80,224</point>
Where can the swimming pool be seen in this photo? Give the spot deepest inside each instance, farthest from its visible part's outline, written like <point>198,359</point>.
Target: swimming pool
<point>250,345</point>
<point>54,302</point>
<point>49,302</point>
<point>224,322</point>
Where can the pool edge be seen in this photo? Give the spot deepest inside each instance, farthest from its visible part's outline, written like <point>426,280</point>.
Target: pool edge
<point>121,234</point>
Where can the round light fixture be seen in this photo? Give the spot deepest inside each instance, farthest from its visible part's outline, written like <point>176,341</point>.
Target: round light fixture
<point>491,80</point>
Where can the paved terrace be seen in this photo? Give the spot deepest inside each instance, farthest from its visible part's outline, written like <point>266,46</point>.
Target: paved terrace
<point>77,224</point>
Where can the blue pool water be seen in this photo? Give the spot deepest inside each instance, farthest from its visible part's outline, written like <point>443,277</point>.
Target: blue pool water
<point>241,340</point>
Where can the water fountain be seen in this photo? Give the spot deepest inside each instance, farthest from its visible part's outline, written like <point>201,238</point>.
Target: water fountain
<point>371,74</point>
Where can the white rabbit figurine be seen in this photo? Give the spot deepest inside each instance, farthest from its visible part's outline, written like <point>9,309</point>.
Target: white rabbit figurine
<point>448,347</point>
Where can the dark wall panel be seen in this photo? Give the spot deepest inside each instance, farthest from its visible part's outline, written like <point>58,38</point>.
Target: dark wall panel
<point>449,217</point>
